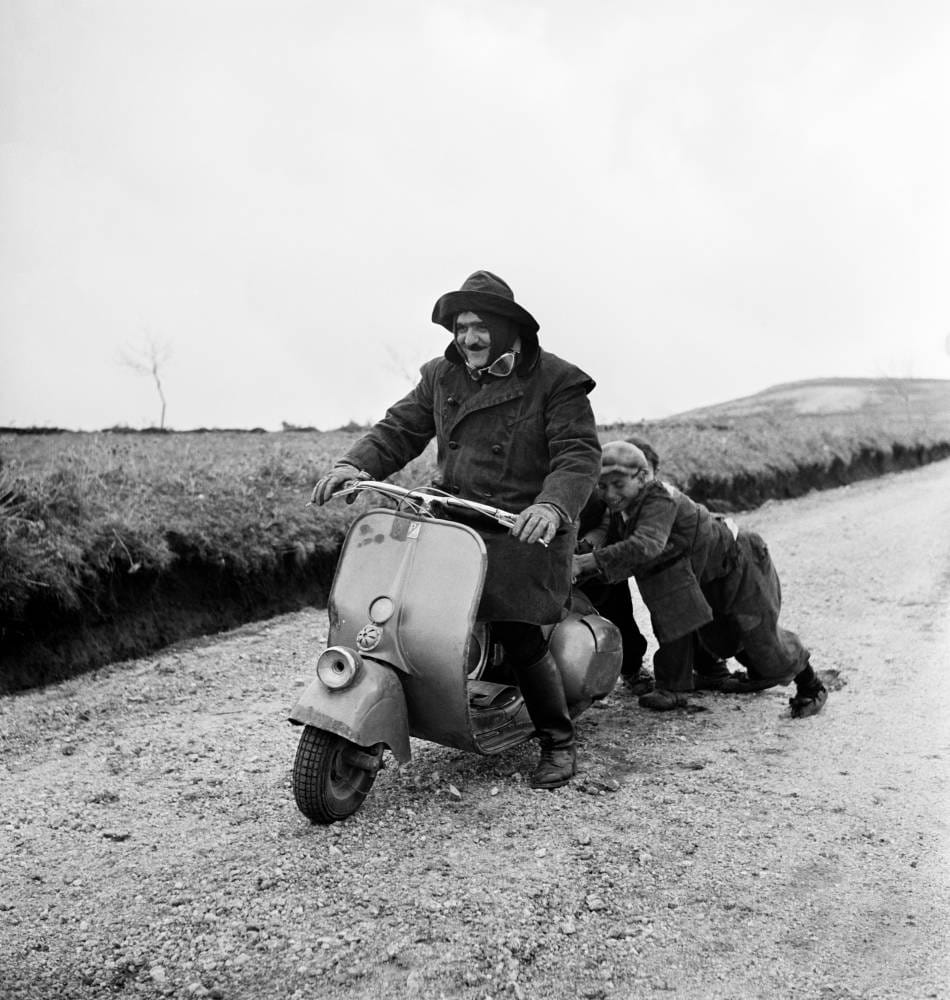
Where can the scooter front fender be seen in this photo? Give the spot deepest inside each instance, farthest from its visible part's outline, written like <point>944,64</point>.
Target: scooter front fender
<point>372,710</point>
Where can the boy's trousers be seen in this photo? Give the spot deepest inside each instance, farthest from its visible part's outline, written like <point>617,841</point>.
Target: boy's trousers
<point>746,603</point>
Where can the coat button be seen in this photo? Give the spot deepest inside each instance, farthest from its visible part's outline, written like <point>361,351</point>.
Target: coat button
<point>497,449</point>
<point>453,445</point>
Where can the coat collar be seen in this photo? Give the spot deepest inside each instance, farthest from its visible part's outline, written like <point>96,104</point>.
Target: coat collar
<point>478,395</point>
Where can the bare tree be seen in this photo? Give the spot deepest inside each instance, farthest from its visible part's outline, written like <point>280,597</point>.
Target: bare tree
<point>400,366</point>
<point>148,360</point>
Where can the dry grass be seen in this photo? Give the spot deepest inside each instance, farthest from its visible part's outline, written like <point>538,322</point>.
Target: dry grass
<point>818,423</point>
<point>79,509</point>
<point>752,446</point>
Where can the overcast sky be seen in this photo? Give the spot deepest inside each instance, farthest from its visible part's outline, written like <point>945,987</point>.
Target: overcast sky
<point>696,200</point>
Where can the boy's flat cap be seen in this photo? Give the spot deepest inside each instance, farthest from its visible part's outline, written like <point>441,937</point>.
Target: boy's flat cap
<point>621,456</point>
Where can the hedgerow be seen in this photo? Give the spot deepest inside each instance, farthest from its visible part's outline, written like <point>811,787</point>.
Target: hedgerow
<point>80,513</point>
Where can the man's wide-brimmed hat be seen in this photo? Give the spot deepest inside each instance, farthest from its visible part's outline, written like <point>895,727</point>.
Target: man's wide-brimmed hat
<point>482,292</point>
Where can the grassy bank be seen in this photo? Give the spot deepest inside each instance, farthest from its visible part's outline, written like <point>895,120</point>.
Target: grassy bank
<point>112,544</point>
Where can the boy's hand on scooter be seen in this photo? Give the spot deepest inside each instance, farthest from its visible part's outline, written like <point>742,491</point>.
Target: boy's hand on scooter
<point>537,523</point>
<point>334,481</point>
<point>584,565</point>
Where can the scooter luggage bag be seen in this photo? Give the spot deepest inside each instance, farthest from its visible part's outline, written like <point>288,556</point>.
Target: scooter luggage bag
<point>432,572</point>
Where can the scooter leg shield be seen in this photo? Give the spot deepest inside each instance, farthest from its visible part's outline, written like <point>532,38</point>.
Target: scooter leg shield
<point>372,710</point>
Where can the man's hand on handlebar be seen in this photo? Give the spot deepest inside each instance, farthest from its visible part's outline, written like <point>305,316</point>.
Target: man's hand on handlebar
<point>334,481</point>
<point>537,523</point>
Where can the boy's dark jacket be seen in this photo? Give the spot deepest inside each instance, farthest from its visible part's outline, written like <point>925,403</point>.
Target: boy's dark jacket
<point>672,546</point>
<point>529,438</point>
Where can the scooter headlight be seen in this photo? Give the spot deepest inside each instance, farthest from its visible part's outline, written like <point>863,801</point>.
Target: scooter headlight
<point>338,667</point>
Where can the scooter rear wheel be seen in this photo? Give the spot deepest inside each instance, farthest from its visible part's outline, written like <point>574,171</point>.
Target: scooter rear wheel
<point>331,775</point>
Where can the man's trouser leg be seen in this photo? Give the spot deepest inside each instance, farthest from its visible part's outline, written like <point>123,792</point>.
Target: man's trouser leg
<point>543,691</point>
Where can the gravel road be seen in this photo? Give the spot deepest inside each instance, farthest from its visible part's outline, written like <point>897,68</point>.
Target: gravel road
<point>151,846</point>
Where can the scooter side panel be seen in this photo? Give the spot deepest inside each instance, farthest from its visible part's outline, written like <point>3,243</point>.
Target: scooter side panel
<point>368,567</point>
<point>372,710</point>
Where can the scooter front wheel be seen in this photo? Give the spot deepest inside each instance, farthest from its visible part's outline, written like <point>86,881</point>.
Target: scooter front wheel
<point>331,775</point>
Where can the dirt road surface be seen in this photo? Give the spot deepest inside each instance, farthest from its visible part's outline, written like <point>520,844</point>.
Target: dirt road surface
<point>150,844</point>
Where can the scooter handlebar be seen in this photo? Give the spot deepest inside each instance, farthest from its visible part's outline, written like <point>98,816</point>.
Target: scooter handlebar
<point>423,498</point>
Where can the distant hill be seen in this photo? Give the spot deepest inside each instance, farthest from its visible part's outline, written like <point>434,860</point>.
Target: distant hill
<point>926,399</point>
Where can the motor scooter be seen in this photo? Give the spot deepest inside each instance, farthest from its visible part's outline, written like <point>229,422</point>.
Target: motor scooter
<point>408,658</point>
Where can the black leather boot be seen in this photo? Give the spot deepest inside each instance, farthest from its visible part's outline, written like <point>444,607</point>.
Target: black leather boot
<point>543,693</point>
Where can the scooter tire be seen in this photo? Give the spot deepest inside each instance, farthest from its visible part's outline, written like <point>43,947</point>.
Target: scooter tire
<point>331,775</point>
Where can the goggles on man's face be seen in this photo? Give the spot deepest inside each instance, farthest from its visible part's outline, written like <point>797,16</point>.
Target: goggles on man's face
<point>501,367</point>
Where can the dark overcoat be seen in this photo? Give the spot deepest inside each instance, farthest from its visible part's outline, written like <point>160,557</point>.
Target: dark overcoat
<point>672,546</point>
<point>509,442</point>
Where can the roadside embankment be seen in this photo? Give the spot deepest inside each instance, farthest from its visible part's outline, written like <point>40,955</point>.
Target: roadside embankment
<point>135,615</point>
<point>112,547</point>
<point>745,491</point>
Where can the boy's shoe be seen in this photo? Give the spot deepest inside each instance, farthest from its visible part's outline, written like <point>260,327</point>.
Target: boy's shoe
<point>744,685</point>
<point>660,700</point>
<point>638,683</point>
<point>808,702</point>
<point>738,683</point>
<point>712,680</point>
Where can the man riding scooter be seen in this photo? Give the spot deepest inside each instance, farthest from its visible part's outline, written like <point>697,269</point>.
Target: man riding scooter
<point>514,428</point>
